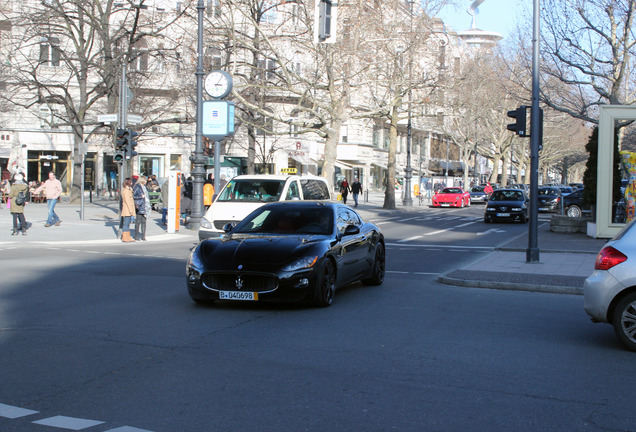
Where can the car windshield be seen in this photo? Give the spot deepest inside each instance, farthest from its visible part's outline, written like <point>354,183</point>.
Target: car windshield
<point>507,195</point>
<point>451,190</point>
<point>548,191</point>
<point>252,190</point>
<point>477,189</point>
<point>288,220</point>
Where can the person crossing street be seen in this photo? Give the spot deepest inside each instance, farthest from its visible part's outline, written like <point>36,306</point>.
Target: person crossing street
<point>52,190</point>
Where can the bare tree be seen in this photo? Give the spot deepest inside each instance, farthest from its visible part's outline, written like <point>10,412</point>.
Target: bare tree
<point>68,56</point>
<point>588,45</point>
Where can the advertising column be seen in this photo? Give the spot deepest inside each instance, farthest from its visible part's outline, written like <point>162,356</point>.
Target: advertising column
<point>174,201</point>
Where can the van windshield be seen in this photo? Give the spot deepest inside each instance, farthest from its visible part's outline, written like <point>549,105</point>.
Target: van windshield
<point>254,190</point>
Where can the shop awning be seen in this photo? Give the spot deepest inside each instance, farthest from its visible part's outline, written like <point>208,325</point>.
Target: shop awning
<point>304,160</point>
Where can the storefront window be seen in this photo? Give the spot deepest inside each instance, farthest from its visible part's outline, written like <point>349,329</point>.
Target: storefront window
<point>151,165</point>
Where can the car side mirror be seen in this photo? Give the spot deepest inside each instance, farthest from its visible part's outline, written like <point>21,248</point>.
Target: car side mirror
<point>352,230</point>
<point>228,227</point>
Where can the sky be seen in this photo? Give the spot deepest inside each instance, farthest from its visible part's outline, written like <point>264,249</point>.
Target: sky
<point>494,15</point>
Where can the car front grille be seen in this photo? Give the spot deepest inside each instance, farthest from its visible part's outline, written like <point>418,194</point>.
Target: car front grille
<point>257,282</point>
<point>219,224</point>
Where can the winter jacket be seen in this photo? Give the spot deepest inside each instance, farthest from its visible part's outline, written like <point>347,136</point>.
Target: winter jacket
<point>13,193</point>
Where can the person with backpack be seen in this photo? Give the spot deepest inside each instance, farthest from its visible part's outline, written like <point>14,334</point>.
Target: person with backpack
<point>19,195</point>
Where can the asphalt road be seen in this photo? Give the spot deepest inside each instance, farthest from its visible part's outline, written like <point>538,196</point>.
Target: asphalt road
<point>105,338</point>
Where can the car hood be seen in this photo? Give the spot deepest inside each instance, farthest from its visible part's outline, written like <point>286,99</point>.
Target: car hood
<point>257,253</point>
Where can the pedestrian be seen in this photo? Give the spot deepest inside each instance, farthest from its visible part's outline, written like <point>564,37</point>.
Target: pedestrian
<point>344,190</point>
<point>356,189</point>
<point>52,190</point>
<point>19,196</point>
<point>428,189</point>
<point>127,209</point>
<point>142,207</point>
<point>488,189</point>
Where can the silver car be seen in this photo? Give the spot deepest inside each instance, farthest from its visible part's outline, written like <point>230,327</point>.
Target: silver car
<point>610,292</point>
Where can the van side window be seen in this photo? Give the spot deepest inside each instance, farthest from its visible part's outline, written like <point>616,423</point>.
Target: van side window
<point>314,189</point>
<point>292,191</point>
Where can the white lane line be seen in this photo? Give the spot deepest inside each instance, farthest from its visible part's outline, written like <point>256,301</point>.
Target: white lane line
<point>466,224</point>
<point>438,246</point>
<point>410,239</point>
<point>72,423</point>
<point>14,412</point>
<point>409,219</point>
<point>438,231</point>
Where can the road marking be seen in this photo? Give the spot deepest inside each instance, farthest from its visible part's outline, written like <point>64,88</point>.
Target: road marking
<point>438,246</point>
<point>410,238</point>
<point>466,224</point>
<point>491,231</point>
<point>14,412</point>
<point>438,231</point>
<point>72,423</point>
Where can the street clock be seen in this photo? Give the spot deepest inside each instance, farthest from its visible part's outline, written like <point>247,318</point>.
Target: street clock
<point>218,84</point>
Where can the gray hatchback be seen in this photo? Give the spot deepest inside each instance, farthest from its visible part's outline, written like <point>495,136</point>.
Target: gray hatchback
<point>610,292</point>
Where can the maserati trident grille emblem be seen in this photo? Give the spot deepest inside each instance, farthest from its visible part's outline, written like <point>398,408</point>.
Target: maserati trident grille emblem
<point>504,208</point>
<point>239,283</point>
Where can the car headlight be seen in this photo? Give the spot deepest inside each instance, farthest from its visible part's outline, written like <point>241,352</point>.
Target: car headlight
<point>194,266</point>
<point>205,223</point>
<point>490,208</point>
<point>302,263</point>
<point>516,209</point>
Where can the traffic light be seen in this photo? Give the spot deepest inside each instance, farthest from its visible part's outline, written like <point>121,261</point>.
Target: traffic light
<point>519,127</point>
<point>131,143</point>
<point>120,140</point>
<point>120,145</point>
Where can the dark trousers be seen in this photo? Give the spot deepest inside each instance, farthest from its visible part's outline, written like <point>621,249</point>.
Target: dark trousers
<point>19,223</point>
<point>140,227</point>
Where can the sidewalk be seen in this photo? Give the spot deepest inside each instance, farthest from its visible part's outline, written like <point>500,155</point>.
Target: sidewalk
<point>100,224</point>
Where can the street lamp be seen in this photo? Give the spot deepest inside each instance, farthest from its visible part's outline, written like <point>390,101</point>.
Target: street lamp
<point>198,159</point>
<point>408,172</point>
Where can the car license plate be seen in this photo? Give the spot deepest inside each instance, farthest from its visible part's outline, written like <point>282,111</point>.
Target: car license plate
<point>503,214</point>
<point>238,295</point>
<point>445,205</point>
<point>543,209</point>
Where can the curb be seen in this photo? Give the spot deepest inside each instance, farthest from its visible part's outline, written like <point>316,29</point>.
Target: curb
<point>509,286</point>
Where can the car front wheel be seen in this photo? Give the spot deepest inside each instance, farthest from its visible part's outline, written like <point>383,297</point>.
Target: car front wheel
<point>625,321</point>
<point>326,285</point>
<point>574,211</point>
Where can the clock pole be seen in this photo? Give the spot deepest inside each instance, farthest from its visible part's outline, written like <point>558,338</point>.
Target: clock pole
<point>198,159</point>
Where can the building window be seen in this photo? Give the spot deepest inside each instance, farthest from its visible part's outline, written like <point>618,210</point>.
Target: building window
<point>213,59</point>
<point>267,69</point>
<point>50,51</point>
<point>139,61</point>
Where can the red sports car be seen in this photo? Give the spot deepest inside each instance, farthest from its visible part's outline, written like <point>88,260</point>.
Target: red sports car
<point>451,197</point>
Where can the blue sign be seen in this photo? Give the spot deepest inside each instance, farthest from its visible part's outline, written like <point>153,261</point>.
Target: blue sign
<point>218,119</point>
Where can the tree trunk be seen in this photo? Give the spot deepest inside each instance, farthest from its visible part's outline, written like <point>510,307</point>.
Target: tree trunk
<point>389,191</point>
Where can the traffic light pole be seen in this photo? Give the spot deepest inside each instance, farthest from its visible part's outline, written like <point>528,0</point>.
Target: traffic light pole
<point>536,137</point>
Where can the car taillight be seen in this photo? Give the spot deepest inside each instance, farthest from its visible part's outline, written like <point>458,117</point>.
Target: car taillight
<point>608,257</point>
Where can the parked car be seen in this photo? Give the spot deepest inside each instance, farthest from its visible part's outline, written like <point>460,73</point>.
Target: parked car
<point>549,199</point>
<point>566,190</point>
<point>477,195</point>
<point>576,186</point>
<point>610,292</point>
<point>507,204</point>
<point>288,251</point>
<point>451,197</point>
<point>243,194</point>
<point>573,203</point>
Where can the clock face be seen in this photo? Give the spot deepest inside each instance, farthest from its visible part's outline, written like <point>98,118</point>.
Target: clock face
<point>218,84</point>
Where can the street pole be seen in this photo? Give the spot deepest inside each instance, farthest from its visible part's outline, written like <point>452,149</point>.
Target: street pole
<point>198,160</point>
<point>408,172</point>
<point>532,253</point>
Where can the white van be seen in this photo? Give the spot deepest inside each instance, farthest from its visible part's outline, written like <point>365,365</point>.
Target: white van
<point>245,193</point>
